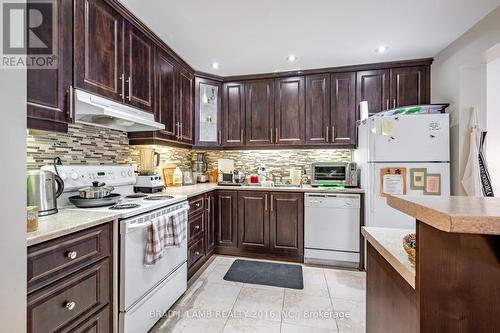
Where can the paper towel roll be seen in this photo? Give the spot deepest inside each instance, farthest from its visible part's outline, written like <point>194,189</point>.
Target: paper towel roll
<point>225,165</point>
<point>363,110</point>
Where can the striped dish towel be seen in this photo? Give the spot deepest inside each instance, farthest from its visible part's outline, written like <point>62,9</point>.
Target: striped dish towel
<point>164,232</point>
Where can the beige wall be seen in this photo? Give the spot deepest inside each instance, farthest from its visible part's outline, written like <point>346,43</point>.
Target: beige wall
<point>459,77</point>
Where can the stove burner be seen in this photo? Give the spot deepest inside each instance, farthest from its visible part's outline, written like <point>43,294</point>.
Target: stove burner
<point>136,196</point>
<point>124,206</point>
<point>159,197</point>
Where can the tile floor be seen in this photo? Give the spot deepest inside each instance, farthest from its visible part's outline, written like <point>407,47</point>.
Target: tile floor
<point>332,301</point>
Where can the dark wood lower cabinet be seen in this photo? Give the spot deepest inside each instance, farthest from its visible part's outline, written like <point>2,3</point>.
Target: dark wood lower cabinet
<point>227,219</point>
<point>269,224</point>
<point>253,221</point>
<point>287,224</point>
<point>201,230</point>
<point>77,296</point>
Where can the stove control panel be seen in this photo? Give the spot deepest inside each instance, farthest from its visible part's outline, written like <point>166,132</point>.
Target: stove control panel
<point>78,176</point>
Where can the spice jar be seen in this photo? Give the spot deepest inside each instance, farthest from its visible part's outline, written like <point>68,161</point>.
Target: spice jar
<point>31,218</point>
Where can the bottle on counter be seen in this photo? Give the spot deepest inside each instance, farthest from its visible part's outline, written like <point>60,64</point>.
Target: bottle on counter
<point>305,179</point>
<point>178,177</point>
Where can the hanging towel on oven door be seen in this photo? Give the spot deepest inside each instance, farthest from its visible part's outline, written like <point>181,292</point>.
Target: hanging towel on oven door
<point>165,231</point>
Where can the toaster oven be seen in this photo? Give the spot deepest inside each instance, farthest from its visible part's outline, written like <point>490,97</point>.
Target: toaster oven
<point>335,173</point>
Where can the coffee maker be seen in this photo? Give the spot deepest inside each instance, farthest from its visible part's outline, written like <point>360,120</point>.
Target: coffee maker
<point>148,181</point>
<point>200,167</point>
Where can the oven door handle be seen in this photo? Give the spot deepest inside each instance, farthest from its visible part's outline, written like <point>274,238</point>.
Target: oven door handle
<point>129,227</point>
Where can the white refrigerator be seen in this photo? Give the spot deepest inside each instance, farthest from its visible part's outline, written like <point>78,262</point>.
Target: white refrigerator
<point>416,149</point>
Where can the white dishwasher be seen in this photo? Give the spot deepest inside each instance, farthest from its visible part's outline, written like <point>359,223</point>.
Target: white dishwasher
<point>332,230</point>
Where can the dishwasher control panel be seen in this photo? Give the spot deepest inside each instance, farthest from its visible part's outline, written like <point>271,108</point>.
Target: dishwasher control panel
<point>332,200</point>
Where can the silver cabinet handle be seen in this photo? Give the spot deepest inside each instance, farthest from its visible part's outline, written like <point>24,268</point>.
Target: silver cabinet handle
<point>208,205</point>
<point>72,255</point>
<point>333,133</point>
<point>197,227</point>
<point>129,88</point>
<point>70,306</point>
<point>272,137</point>
<point>265,202</point>
<point>394,103</point>
<point>272,202</point>
<point>71,101</point>
<point>277,135</point>
<point>197,253</point>
<point>197,205</point>
<point>179,135</point>
<point>181,127</point>
<point>219,137</point>
<point>387,104</point>
<point>327,134</point>
<point>122,93</point>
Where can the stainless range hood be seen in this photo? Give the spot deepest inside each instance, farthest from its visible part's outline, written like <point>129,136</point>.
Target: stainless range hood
<point>94,110</point>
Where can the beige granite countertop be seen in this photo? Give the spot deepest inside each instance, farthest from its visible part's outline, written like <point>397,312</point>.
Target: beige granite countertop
<point>65,222</point>
<point>197,189</point>
<point>389,243</point>
<point>467,215</point>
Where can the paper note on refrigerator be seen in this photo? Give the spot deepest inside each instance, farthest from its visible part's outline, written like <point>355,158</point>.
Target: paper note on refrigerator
<point>392,181</point>
<point>388,127</point>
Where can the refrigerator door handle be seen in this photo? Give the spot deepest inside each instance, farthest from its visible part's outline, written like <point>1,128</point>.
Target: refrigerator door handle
<point>373,193</point>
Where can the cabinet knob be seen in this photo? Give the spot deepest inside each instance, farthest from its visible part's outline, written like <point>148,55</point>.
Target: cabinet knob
<point>197,205</point>
<point>70,306</point>
<point>72,255</point>
<point>197,227</point>
<point>197,253</point>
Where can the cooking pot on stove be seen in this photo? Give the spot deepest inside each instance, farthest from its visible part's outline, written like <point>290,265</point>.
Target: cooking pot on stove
<point>96,191</point>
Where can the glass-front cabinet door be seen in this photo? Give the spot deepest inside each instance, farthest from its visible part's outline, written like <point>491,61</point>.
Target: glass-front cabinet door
<point>208,112</point>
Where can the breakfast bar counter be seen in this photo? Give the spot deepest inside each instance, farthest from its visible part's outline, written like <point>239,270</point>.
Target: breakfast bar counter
<point>457,268</point>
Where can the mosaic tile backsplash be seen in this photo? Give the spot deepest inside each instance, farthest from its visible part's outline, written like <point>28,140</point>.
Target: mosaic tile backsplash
<point>93,145</point>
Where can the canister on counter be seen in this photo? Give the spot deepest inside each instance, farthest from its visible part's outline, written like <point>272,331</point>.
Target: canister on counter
<point>31,218</point>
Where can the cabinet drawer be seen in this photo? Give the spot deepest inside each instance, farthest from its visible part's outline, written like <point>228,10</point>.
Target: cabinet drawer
<point>55,307</point>
<point>196,251</point>
<point>98,323</point>
<point>196,226</point>
<point>57,258</point>
<point>196,205</point>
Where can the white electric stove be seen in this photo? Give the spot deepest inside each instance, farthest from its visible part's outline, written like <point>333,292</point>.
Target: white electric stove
<point>142,294</point>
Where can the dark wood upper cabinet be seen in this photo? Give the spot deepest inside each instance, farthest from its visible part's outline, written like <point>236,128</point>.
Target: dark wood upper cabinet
<point>287,224</point>
<point>409,86</point>
<point>289,111</point>
<point>98,49</point>
<point>317,109</point>
<point>233,106</point>
<point>49,90</point>
<point>343,108</point>
<point>186,111</point>
<point>166,94</point>
<point>259,109</point>
<point>207,112</point>
<point>139,68</point>
<point>253,220</point>
<point>373,87</point>
<point>227,219</point>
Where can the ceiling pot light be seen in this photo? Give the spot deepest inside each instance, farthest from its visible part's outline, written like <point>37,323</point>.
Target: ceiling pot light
<point>382,49</point>
<point>215,65</point>
<point>291,58</point>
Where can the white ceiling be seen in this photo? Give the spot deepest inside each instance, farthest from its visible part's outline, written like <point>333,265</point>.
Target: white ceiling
<point>256,36</point>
